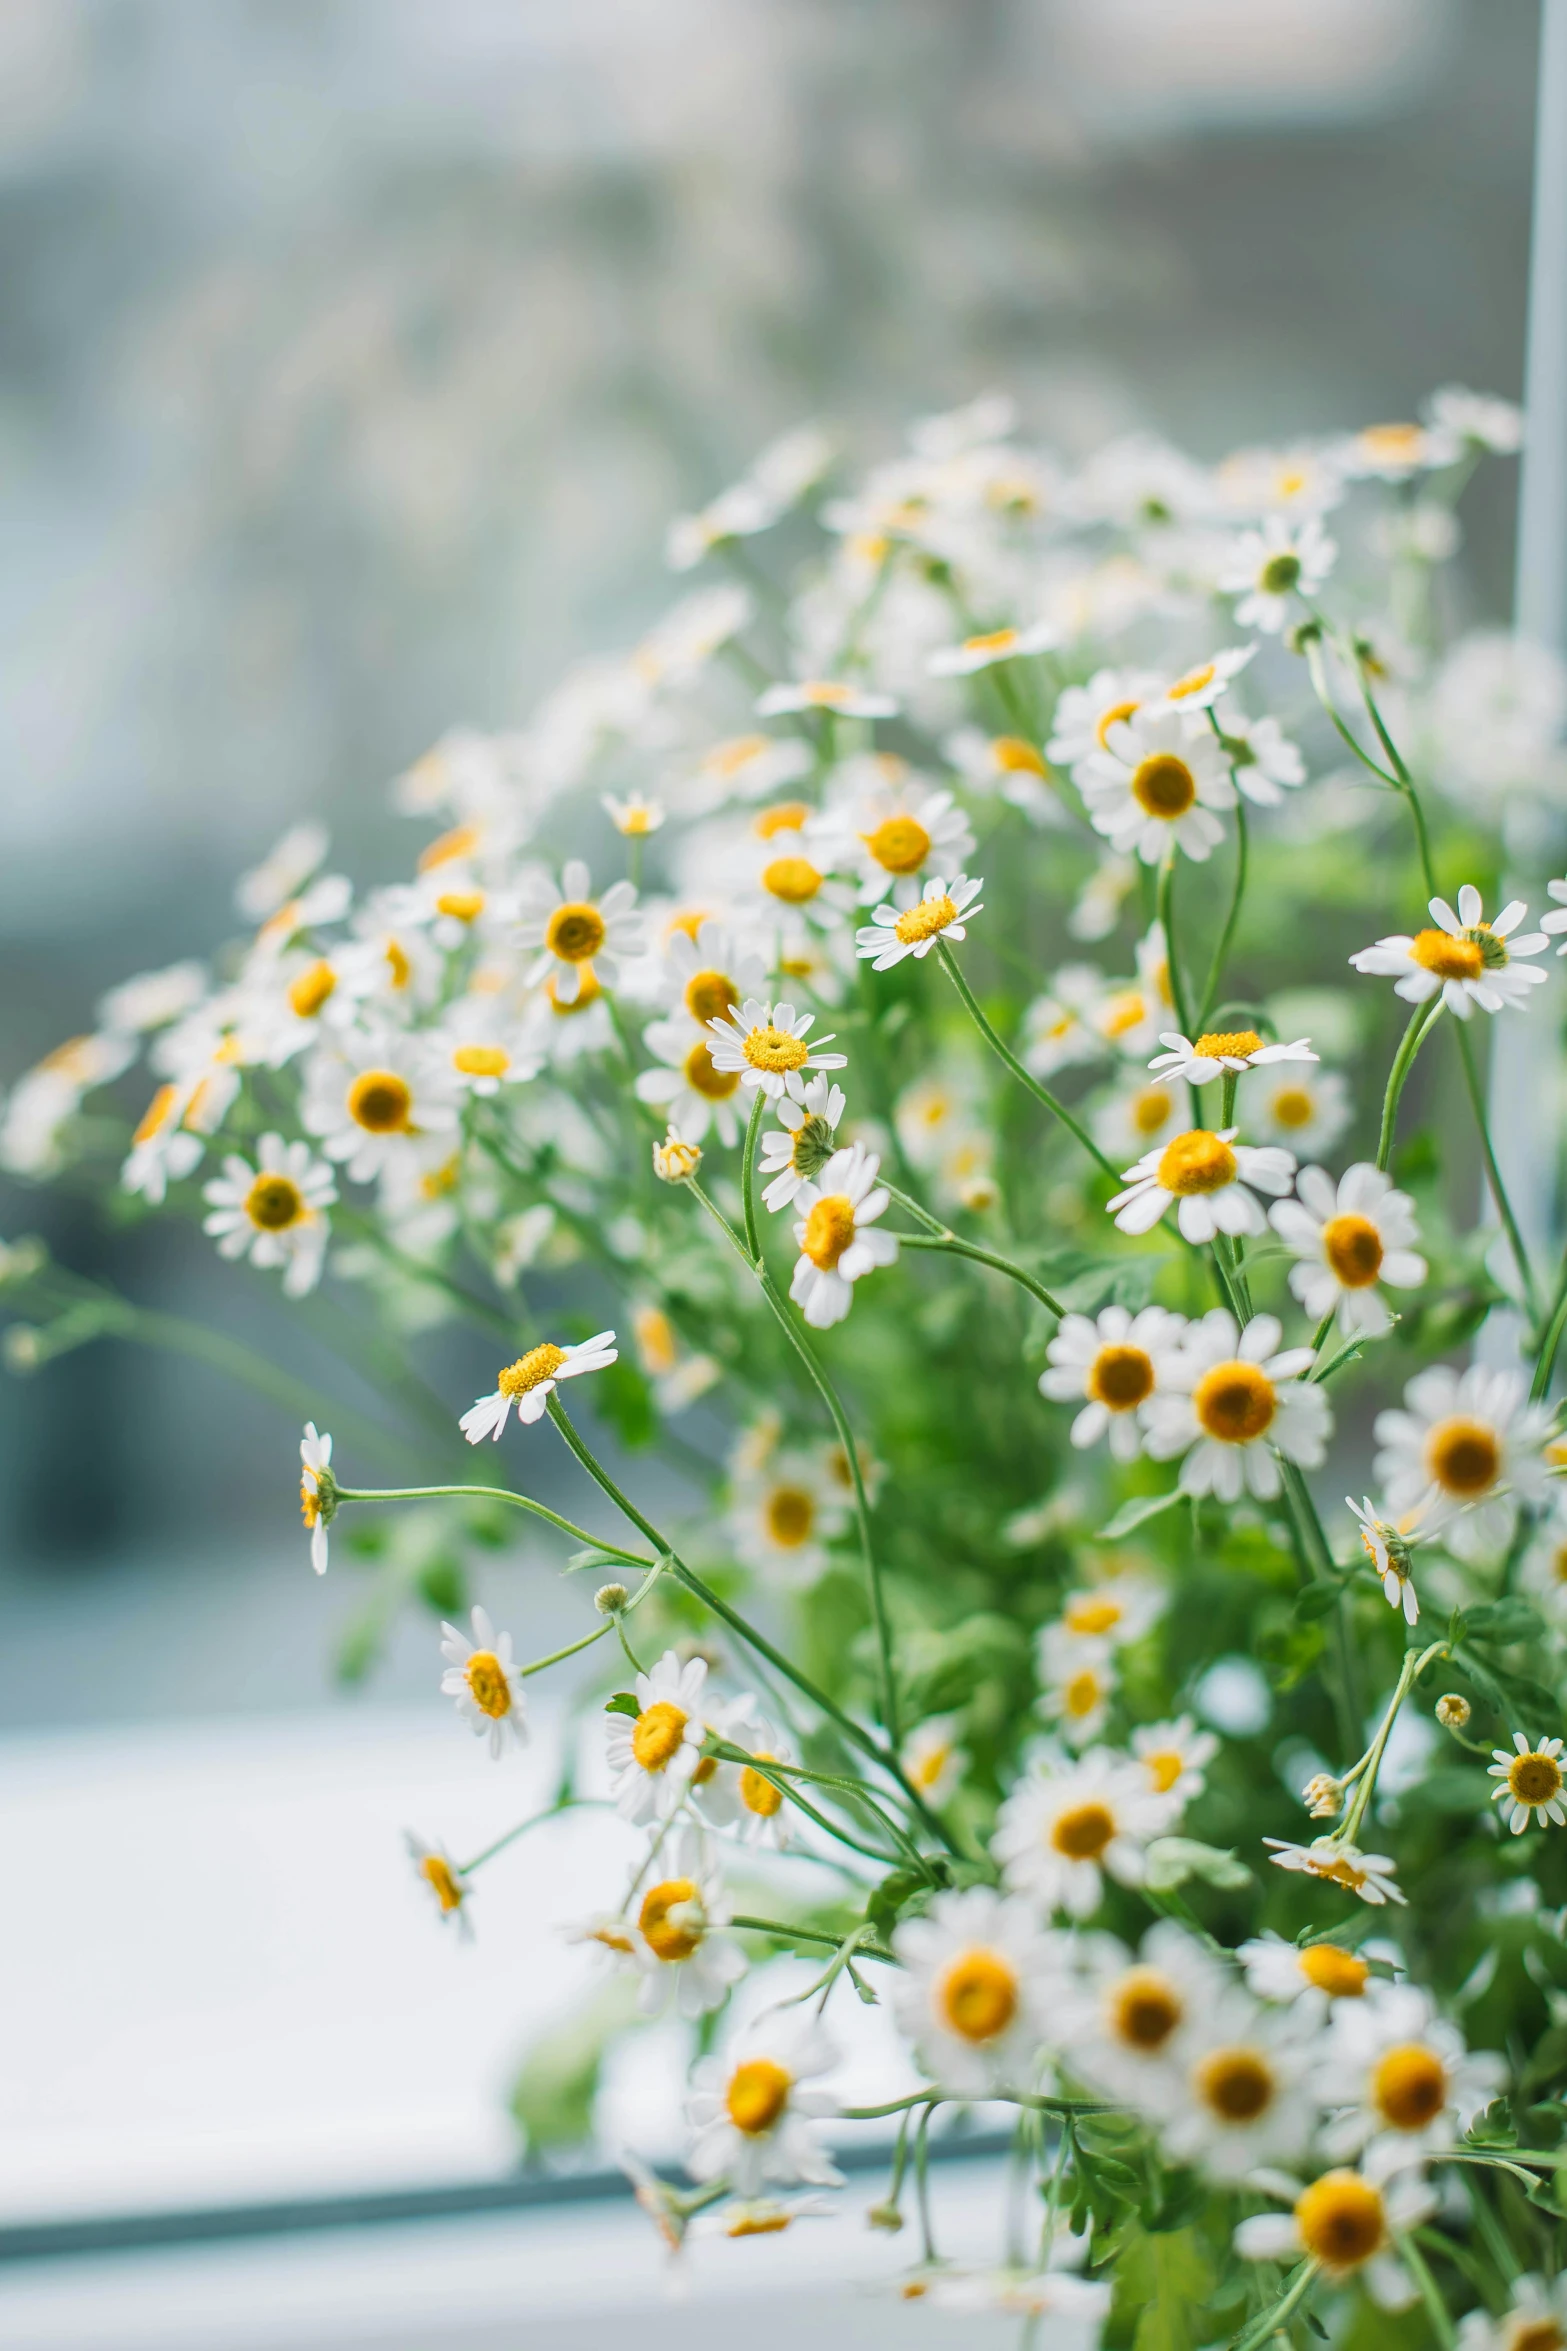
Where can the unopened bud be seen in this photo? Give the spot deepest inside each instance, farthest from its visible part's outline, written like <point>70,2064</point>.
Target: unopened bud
<point>1453,1711</point>
<point>674,1160</point>
<point>610,1599</point>
<point>1322,1795</point>
<point>1304,633</point>
<point>884,2216</point>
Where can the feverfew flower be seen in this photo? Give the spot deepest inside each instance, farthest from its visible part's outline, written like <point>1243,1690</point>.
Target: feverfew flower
<point>1315,1974</point>
<point>1263,761</point>
<point>1370,1875</point>
<point>1209,1174</point>
<point>687,1085</point>
<point>1117,1362</point>
<point>1265,568</point>
<point>482,1676</point>
<point>785,1513</point>
<point>443,1881</point>
<point>993,645</point>
<point>272,1213</point>
<point>1085,714</point>
<point>1245,2096</point>
<point>530,1382</point>
<point>1469,961</point>
<point>370,1104</point>
<point>1234,1403</point>
<point>740,1796</point>
<point>1401,2079</point>
<point>975,1992</point>
<point>933,1759</point>
<point>163,1150</point>
<point>1198,689</point>
<point>753,2112</point>
<point>892,831</point>
<point>1157,782</point>
<point>794,1152</point>
<point>1304,1109</point>
<point>710,970</point>
<point>1175,1755</point>
<point>317,1492</point>
<point>1536,2320</point>
<point>652,1757</point>
<point>636,816</point>
<point>1077,1681</point>
<point>836,1237</point>
<point>677,1942</point>
<point>1349,1241</point>
<point>1478,418</point>
<point>1469,1441</point>
<point>767,1044</point>
<point>1346,2223</point>
<point>572,930</point>
<point>1532,1783</point>
<point>1133,2022</point>
<point>942,913</point>
<point>836,696</point>
<point>1218,1051</point>
<point>1392,1554</point>
<point>1061,1828</point>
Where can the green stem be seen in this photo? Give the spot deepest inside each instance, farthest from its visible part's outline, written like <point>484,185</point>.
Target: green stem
<point>753,1239</point>
<point>466,1868</point>
<point>1421,1020</point>
<point>1493,1174</point>
<point>490,1494</point>
<point>1276,2319</point>
<point>1166,920</point>
<point>1366,1788</point>
<point>1552,1340</point>
<point>776,1926</point>
<point>962,1248</point>
<point>1430,2293</point>
<point>1005,1054</point>
<point>1222,949</point>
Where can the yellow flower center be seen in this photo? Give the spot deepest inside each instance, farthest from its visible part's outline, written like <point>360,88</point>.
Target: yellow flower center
<point>1409,2086</point>
<point>1353,1248</point>
<point>1236,2084</point>
<point>1124,1012</point>
<point>1151,1108</point>
<point>1447,957</point>
<point>1195,1162</point>
<point>309,1498</point>
<point>925,920</point>
<point>762,2223</point>
<point>1399,442</point>
<point>658,1734</point>
<point>487,1684</point>
<point>928,1768</point>
<point>155,1116</point>
<point>1145,2009</point>
<point>1164,1767</point>
<point>576,932</point>
<point>1235,1402</point>
<point>461,905</point>
<point>398,965</point>
<point>786,816</point>
<point>273,1203</point>
<point>824,693</point>
<point>727,759</point>
<point>440,1877</point>
<point>529,1371</point>
<point>1196,681</point>
<point>1083,1831</point>
<point>901,845</point>
<point>310,991</point>
<point>793,879</point>
<point>994,641</point>
<point>1329,1968</point>
<point>1120,1377</point>
<point>710,995</point>
<point>791,1514</point>
<point>1534,1779</point>
<point>775,1050</point>
<point>828,1230</point>
<point>1237,1044</point>
<point>381,1102</point>
<point>977,1995</point>
<point>757,2094</point>
<point>1016,757</point>
<point>1094,1617</point>
<point>1112,718</point>
<point>1340,2220</point>
<point>482,1061</point>
<point>1164,786</point>
<point>1463,1456</point>
<point>1081,1695</point>
<point>1292,1107</point>
<point>665,1937</point>
<point>588,992</point>
<point>715,1085</point>
<point>461,841</point>
<point>1536,2334</point>
<point>757,1793</point>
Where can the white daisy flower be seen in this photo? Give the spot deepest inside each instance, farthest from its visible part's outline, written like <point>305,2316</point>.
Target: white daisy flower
<point>1263,760</point>
<point>1245,2096</point>
<point>1119,1609</point>
<point>687,1086</point>
<point>482,1676</point>
<point>943,912</point>
<point>1535,2321</point>
<point>443,1881</point>
<point>1302,480</point>
<point>1215,1179</point>
<point>1175,1755</point>
<point>1402,2082</point>
<point>1132,2024</point>
<point>1265,568</point>
<point>836,696</point>
<point>1065,1026</point>
<point>785,1514</point>
<point>677,1942</point>
<point>152,999</point>
<point>317,1492</point>
<point>893,831</point>
<point>273,1213</point>
<point>754,2113</point>
<point>1370,1875</point>
<point>1135,1118</point>
<point>1198,689</point>
<point>748,767</point>
<point>737,1796</point>
<point>1218,1051</point>
<point>163,1150</point>
<point>1096,909</point>
<point>369,1103</point>
<point>1009,765</point>
<point>1392,452</point>
<point>1128,1016</point>
<point>1314,1974</point>
<point>325,900</point>
<point>1085,714</point>
<point>1465,959</point>
<point>1349,1241</point>
<point>1486,423</point>
<point>1350,2226</point>
<point>769,1045</point>
<point>1060,1829</point>
<point>636,816</point>
<point>1304,1109</point>
<point>677,1378</point>
<point>1391,1552</point>
<point>1532,1783</point>
<point>794,1152</point>
<point>1077,1682</point>
<point>1117,1362</point>
<point>1469,1441</point>
<point>709,970</point>
<point>933,1759</point>
<point>653,1757</point>
<point>570,928</point>
<point>481,1050</point>
<point>976,1990</point>
<point>532,1380</point>
<point>993,645</point>
<point>1071,2310</point>
<point>1234,1404</point>
<point>283,872</point>
<point>1158,781</point>
<point>836,1237</point>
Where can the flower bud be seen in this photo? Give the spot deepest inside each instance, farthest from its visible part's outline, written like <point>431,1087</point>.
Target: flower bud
<point>884,2216</point>
<point>1322,1795</point>
<point>674,1160</point>
<point>610,1599</point>
<point>1302,634</point>
<point>1453,1711</point>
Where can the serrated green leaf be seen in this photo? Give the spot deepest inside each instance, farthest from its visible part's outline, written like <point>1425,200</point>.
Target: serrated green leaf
<point>622,1703</point>
<point>1165,2278</point>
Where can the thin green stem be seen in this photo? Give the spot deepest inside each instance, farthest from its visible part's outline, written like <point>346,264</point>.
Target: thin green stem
<point>958,1247</point>
<point>1222,947</point>
<point>753,1239</point>
<point>1546,1363</point>
<point>1276,2319</point>
<point>1430,2293</point>
<point>1005,1054</point>
<point>490,1494</point>
<point>1372,1762</point>
<point>466,1868</point>
<point>781,1928</point>
<point>1422,1018</point>
<point>1493,1175</point>
<point>1166,921</point>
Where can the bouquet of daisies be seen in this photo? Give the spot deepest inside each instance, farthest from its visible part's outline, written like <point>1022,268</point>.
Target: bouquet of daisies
<point>971,1044</point>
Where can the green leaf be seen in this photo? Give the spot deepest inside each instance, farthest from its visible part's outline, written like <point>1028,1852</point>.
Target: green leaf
<point>443,1587</point>
<point>622,1703</point>
<point>1136,1514</point>
<point>1172,1860</point>
<point>1165,2277</point>
<point>1316,1600</point>
<point>595,1559</point>
<point>1504,1620</point>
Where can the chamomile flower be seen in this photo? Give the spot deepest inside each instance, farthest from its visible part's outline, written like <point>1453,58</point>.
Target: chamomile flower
<point>896,831</point>
<point>152,999</point>
<point>836,1237</point>
<point>1533,1786</point>
<point>1468,1442</point>
<point>933,1759</point>
<point>1401,2080</point>
<point>709,970</point>
<point>1077,1682</point>
<point>273,1213</point>
<point>482,1676</point>
<point>747,767</point>
<point>1175,1755</point>
<point>740,1796</point>
<point>1064,2312</point>
<point>1304,1109</point>
<point>1085,714</point>
<point>676,1936</point>
<point>838,697</point>
<point>636,816</point>
<point>653,1757</point>
<point>1349,2226</point>
<point>481,1051</point>
<point>1350,1241</point>
<point>571,929</point>
<point>1220,1051</point>
<point>1065,1026</point>
<point>1543,1574</point>
<point>530,1382</point>
<point>993,645</point>
<point>794,1152</point>
<point>785,1514</point>
<point>1392,452</point>
<point>163,1149</point>
<point>1263,761</point>
<point>1199,688</point>
<point>369,1104</point>
<point>1234,1405</point>
<point>1214,1179</point>
<point>1156,783</point>
<point>1464,959</point>
<point>283,872</point>
<point>317,1491</point>
<point>1133,2021</point>
<point>755,2113</point>
<point>1063,1829</point>
<point>1313,1974</point>
<point>1135,1118</point>
<point>1009,765</point>
<point>1268,567</point>
<point>770,1046</point>
<point>1391,1551</point>
<point>1371,1876</point>
<point>975,1990</point>
<point>687,1085</point>
<point>1116,1362</point>
<point>1536,2319</point>
<point>942,913</point>
<point>443,1882</point>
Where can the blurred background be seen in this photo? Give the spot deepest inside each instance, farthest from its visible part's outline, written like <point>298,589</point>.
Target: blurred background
<point>354,355</point>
